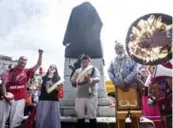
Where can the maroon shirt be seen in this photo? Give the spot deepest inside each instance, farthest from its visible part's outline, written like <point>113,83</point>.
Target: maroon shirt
<point>17,81</point>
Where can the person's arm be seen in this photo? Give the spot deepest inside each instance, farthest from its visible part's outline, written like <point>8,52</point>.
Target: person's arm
<point>39,62</point>
<point>5,76</point>
<point>96,77</point>
<point>111,75</point>
<point>4,91</point>
<point>32,70</point>
<point>133,73</point>
<point>73,78</point>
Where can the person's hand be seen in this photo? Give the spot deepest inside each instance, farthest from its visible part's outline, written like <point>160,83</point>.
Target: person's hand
<point>40,51</point>
<point>126,89</point>
<point>123,86</point>
<point>59,86</point>
<point>7,99</point>
<point>87,78</point>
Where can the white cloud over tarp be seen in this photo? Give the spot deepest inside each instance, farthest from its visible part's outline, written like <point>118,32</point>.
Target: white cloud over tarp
<point>27,25</point>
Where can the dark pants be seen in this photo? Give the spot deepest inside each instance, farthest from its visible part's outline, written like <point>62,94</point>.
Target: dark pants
<point>81,123</point>
<point>135,122</point>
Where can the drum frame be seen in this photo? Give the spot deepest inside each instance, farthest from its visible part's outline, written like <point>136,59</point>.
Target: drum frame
<point>167,19</point>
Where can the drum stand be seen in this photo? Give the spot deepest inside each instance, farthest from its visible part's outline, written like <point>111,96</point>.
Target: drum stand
<point>133,115</point>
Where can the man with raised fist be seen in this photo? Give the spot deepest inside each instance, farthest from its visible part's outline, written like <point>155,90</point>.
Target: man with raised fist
<point>14,87</point>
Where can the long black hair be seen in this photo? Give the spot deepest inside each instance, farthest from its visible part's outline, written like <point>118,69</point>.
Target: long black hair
<point>56,76</point>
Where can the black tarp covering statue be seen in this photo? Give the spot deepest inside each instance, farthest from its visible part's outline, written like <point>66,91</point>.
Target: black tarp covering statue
<point>83,32</point>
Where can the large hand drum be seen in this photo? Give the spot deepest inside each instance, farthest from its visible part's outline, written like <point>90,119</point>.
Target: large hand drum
<point>86,72</point>
<point>149,39</point>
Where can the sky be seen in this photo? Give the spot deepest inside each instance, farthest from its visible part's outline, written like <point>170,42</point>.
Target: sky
<point>29,25</point>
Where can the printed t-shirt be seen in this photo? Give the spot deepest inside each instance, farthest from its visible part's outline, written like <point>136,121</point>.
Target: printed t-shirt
<point>17,80</point>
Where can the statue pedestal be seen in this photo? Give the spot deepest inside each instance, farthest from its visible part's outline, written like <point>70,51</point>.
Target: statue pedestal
<point>68,102</point>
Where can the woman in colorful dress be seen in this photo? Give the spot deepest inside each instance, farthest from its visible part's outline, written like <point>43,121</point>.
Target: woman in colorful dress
<point>48,111</point>
<point>151,112</point>
<point>160,91</point>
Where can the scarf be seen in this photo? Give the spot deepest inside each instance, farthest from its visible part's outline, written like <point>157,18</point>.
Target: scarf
<point>118,67</point>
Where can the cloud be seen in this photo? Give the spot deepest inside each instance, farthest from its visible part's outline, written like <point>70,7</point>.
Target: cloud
<point>27,25</point>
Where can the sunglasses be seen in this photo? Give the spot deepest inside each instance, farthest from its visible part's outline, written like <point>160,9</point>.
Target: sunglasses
<point>52,67</point>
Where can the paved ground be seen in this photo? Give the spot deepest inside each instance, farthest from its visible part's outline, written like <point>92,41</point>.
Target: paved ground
<point>103,125</point>
<point>70,122</point>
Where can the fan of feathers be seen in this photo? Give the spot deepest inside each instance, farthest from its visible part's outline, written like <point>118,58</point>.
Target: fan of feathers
<point>150,39</point>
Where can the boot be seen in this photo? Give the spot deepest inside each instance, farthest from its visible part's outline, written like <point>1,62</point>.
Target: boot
<point>80,123</point>
<point>121,123</point>
<point>19,127</point>
<point>135,122</point>
<point>93,123</point>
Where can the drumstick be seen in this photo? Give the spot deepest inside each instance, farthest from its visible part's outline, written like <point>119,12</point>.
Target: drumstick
<point>53,87</point>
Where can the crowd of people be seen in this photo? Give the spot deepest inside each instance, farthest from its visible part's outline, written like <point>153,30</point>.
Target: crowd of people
<point>124,72</point>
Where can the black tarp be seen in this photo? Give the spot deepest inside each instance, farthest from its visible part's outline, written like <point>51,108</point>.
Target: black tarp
<point>83,32</point>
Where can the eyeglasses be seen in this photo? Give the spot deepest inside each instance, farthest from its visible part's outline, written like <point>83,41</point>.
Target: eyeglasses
<point>53,67</point>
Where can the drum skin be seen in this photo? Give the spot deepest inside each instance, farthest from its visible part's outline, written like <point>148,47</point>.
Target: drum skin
<point>168,21</point>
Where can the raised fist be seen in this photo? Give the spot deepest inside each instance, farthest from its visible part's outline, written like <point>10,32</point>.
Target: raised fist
<point>40,51</point>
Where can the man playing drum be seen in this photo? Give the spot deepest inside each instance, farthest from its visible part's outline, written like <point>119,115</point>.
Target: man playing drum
<point>86,78</point>
<point>123,73</point>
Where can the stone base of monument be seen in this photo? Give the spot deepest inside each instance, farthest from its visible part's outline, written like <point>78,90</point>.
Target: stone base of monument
<point>101,111</point>
<point>68,102</point>
<point>102,122</point>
